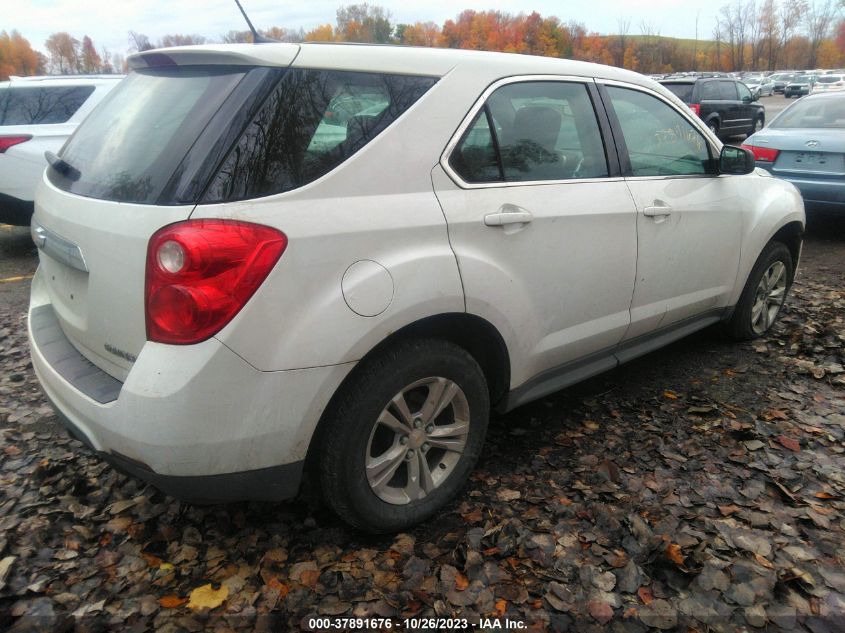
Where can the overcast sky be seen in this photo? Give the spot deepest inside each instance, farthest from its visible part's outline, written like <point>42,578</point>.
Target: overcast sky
<point>108,21</point>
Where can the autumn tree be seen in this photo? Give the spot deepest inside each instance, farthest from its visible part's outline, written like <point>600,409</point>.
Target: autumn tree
<point>322,33</point>
<point>364,23</point>
<point>64,51</point>
<point>818,19</point>
<point>177,39</point>
<point>139,42</point>
<point>237,37</point>
<point>17,57</point>
<point>90,60</point>
<point>418,34</point>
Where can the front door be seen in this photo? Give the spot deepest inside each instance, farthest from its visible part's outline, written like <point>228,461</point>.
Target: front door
<point>688,221</point>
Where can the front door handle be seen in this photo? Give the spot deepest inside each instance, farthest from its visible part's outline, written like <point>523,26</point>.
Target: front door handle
<point>508,215</point>
<point>658,211</point>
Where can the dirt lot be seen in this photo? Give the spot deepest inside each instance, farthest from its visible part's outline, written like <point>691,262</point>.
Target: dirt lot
<point>699,488</point>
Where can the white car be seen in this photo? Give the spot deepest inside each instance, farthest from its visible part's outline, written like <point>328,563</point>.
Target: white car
<point>38,114</point>
<point>829,83</point>
<point>232,294</point>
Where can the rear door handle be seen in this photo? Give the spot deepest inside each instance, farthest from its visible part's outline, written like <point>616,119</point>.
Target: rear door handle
<point>658,211</point>
<point>508,215</point>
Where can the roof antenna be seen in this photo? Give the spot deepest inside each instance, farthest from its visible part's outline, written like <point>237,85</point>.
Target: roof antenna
<point>257,38</point>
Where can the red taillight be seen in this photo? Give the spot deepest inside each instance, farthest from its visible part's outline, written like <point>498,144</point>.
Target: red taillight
<point>695,107</point>
<point>8,141</point>
<point>766,154</point>
<point>200,273</point>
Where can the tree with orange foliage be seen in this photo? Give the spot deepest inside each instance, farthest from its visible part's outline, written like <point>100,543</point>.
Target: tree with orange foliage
<point>17,56</point>
<point>323,33</point>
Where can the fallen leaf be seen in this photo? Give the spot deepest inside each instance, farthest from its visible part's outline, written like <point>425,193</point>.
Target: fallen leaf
<point>309,578</point>
<point>673,553</point>
<point>501,608</point>
<point>171,602</point>
<point>789,443</point>
<point>461,581</point>
<point>645,595</point>
<point>207,597</point>
<point>670,394</point>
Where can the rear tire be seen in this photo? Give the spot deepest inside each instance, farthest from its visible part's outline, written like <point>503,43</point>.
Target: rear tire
<point>391,453</point>
<point>764,294</point>
<point>759,124</point>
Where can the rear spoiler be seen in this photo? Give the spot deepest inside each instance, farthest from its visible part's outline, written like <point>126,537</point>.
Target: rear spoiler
<point>214,55</point>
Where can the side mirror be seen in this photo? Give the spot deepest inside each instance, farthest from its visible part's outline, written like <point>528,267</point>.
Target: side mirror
<point>748,99</point>
<point>736,161</point>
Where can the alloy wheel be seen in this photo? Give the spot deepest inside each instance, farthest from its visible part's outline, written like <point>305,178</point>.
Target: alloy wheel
<point>768,298</point>
<point>417,440</point>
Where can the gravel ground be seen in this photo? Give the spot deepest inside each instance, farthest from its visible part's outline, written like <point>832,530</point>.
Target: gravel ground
<point>701,488</point>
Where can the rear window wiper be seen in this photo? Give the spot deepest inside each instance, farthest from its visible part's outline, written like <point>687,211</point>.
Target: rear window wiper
<point>62,166</point>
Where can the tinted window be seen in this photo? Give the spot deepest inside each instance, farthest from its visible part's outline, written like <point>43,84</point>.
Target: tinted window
<point>475,158</point>
<point>682,91</point>
<point>660,141</point>
<point>543,131</point>
<point>312,122</point>
<point>727,90</point>
<point>744,92</point>
<point>130,146</point>
<point>38,105</point>
<point>829,79</point>
<point>709,91</point>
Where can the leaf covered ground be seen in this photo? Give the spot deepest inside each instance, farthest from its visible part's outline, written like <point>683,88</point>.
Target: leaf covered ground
<point>701,488</point>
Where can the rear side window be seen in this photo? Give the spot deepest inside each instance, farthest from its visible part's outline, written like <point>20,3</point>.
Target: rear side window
<point>38,105</point>
<point>540,131</point>
<point>710,91</point>
<point>682,91</point>
<point>727,91</point>
<point>312,122</point>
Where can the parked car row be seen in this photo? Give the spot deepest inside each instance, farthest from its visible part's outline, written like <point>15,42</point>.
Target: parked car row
<point>238,284</point>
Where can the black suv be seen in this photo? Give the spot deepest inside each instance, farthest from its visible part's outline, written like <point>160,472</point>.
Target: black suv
<point>725,105</point>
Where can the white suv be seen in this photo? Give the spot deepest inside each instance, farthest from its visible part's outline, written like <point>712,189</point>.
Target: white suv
<point>240,284</point>
<point>38,114</point>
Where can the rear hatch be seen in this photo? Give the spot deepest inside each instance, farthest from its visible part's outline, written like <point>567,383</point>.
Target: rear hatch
<point>682,89</point>
<point>139,162</point>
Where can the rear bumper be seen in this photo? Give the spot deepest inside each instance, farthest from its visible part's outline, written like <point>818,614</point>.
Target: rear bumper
<point>819,191</point>
<point>196,421</point>
<point>15,211</point>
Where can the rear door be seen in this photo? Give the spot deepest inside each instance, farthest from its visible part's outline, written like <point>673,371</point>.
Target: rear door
<point>131,168</point>
<point>688,220</point>
<point>735,119</point>
<point>543,227</point>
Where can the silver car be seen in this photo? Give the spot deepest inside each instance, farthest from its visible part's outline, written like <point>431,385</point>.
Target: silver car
<point>805,144</point>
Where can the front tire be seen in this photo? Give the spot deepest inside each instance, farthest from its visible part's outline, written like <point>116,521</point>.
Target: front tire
<point>407,431</point>
<point>764,294</point>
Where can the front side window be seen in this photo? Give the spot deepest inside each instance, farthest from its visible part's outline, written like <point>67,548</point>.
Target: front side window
<point>39,105</point>
<point>533,131</point>
<point>312,122</point>
<point>744,92</point>
<point>660,141</point>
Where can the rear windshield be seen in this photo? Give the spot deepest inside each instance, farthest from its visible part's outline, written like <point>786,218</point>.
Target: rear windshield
<point>682,91</point>
<point>37,105</point>
<point>181,135</point>
<point>128,148</point>
<point>816,113</point>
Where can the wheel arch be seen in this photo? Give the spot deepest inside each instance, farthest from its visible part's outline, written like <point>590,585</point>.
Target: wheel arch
<point>476,335</point>
<point>791,235</point>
